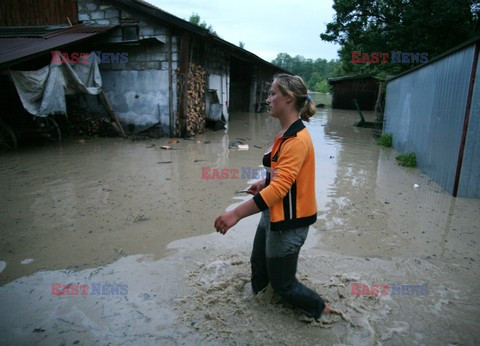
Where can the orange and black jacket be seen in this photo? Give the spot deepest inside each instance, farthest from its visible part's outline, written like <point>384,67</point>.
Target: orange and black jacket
<point>290,193</point>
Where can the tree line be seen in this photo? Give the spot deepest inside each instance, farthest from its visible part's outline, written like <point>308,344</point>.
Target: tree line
<point>314,72</point>
<point>416,28</point>
<point>387,37</point>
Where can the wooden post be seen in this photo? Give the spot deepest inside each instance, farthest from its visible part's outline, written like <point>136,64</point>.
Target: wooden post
<point>108,106</point>
<point>465,121</point>
<point>362,119</point>
<point>378,110</point>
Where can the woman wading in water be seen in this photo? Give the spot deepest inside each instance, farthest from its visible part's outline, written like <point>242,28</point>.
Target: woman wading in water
<point>286,198</point>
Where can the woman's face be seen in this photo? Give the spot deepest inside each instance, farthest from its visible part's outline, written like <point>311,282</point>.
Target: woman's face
<point>277,102</point>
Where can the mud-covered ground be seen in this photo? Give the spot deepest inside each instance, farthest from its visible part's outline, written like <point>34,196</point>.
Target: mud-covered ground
<point>134,216</point>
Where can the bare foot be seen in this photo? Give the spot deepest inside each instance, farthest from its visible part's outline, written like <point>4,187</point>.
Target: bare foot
<point>328,309</point>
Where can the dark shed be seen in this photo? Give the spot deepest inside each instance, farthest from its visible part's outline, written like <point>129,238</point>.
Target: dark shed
<point>363,88</point>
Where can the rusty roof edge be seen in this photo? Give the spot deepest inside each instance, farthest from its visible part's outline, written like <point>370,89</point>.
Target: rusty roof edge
<point>27,55</point>
<point>84,28</point>
<point>51,30</point>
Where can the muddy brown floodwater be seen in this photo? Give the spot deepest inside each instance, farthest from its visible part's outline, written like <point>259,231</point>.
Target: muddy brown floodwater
<point>139,218</point>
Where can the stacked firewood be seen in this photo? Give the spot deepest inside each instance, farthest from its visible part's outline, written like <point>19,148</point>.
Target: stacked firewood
<point>195,101</point>
<point>89,124</point>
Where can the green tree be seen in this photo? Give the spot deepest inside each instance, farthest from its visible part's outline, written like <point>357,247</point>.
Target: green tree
<point>414,26</point>
<point>314,72</point>
<point>195,19</point>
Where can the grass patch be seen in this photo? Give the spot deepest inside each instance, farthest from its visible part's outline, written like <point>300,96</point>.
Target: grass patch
<point>385,140</point>
<point>407,160</point>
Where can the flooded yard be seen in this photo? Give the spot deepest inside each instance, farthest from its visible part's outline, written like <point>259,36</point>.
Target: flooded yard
<point>120,213</point>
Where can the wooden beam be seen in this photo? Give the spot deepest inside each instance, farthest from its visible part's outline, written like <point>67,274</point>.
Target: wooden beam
<point>466,121</point>
<point>108,106</point>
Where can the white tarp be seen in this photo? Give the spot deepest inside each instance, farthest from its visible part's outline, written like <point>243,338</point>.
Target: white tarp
<point>43,91</point>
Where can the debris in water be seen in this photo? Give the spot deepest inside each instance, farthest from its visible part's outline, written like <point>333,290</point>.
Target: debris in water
<point>141,218</point>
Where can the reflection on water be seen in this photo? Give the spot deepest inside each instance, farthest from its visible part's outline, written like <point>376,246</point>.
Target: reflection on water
<point>84,203</point>
<point>89,203</point>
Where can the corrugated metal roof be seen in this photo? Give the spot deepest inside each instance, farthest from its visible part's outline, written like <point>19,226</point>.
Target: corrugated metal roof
<point>18,43</point>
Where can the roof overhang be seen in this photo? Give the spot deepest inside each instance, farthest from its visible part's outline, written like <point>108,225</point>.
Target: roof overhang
<point>18,44</point>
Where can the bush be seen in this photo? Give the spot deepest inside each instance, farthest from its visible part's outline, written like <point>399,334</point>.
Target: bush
<point>407,160</point>
<point>385,140</point>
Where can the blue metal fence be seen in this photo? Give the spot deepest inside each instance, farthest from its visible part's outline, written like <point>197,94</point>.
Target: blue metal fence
<point>425,112</point>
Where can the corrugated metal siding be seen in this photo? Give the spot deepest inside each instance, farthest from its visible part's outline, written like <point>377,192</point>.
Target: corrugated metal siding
<point>425,111</point>
<point>469,185</point>
<point>15,47</point>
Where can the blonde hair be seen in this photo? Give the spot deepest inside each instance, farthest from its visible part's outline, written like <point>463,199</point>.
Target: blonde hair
<point>295,87</point>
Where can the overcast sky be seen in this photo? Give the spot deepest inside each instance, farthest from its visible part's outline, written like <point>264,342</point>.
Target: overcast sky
<point>266,27</point>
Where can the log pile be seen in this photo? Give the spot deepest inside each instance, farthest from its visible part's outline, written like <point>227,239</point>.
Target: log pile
<point>194,101</point>
<point>88,124</point>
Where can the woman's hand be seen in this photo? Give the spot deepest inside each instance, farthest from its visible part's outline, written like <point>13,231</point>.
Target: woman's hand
<point>256,187</point>
<point>230,218</point>
<point>226,221</point>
